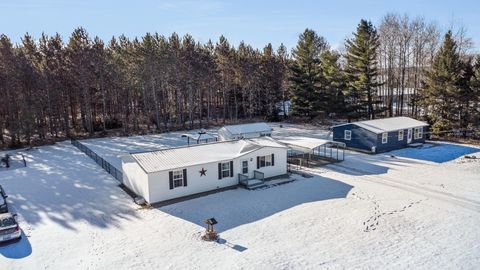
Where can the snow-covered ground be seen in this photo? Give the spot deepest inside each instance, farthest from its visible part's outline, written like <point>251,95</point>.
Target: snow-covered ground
<point>111,148</point>
<point>412,208</point>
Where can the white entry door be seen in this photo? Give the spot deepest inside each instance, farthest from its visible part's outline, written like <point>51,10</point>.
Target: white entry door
<point>244,169</point>
<point>409,136</point>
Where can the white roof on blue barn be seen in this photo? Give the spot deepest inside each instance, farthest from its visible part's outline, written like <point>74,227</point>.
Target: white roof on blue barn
<point>388,124</point>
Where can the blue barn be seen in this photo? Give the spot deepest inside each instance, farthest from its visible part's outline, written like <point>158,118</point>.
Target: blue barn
<point>381,135</point>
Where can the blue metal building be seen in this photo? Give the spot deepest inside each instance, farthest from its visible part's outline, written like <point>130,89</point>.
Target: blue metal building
<point>381,135</point>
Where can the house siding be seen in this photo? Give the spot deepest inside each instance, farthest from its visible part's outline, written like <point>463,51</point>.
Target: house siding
<point>393,142</point>
<point>361,138</point>
<point>365,140</point>
<point>134,177</point>
<point>158,182</point>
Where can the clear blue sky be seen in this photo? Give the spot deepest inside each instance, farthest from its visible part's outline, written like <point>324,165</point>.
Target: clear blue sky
<point>255,22</point>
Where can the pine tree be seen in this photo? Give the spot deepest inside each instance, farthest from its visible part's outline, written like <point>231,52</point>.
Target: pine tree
<point>306,92</point>
<point>31,105</point>
<point>283,62</point>
<point>475,86</point>
<point>81,73</point>
<point>225,60</point>
<point>465,97</point>
<point>9,103</point>
<point>333,82</point>
<point>361,71</point>
<point>445,86</point>
<point>270,75</point>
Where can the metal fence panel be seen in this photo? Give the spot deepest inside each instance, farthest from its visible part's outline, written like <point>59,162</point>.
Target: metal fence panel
<point>99,160</point>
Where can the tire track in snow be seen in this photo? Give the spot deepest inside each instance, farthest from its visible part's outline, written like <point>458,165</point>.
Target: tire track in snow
<point>420,190</point>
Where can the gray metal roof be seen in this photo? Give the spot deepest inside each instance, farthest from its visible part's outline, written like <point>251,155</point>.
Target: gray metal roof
<point>306,144</point>
<point>248,128</point>
<point>181,157</point>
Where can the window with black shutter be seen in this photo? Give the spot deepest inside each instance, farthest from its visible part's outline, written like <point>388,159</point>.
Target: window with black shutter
<point>219,171</point>
<point>177,178</point>
<point>226,169</point>
<point>184,177</point>
<point>170,176</point>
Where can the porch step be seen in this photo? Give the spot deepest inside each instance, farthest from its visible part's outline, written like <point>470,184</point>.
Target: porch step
<point>254,182</point>
<point>255,186</point>
<point>415,145</point>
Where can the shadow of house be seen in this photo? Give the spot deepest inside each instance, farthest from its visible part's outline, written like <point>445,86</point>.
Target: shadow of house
<point>65,186</point>
<point>438,153</point>
<point>17,250</point>
<point>238,207</point>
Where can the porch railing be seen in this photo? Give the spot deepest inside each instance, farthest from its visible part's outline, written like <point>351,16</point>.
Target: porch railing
<point>242,178</point>
<point>258,175</point>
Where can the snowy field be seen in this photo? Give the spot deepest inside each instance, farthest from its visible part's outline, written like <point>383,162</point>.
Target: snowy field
<point>412,208</point>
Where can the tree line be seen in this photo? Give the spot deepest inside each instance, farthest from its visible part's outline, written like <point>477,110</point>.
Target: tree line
<point>403,67</point>
<point>55,88</point>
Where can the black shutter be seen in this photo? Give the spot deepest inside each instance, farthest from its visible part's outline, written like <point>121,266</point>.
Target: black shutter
<point>219,170</point>
<point>184,177</point>
<point>273,160</point>
<point>231,168</point>
<point>170,175</point>
<point>258,162</point>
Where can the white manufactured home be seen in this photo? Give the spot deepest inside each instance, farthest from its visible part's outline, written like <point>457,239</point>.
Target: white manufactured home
<point>177,172</point>
<point>244,131</point>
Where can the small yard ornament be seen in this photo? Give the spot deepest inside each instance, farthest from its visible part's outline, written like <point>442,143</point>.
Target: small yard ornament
<point>210,233</point>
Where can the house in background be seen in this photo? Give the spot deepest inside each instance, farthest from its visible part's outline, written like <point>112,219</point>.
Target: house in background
<point>284,108</point>
<point>381,135</point>
<point>178,172</point>
<point>244,131</point>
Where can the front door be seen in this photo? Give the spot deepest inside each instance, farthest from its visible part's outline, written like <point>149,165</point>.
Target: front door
<point>244,167</point>
<point>409,135</point>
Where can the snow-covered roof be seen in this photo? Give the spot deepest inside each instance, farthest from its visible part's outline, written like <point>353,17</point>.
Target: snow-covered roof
<point>305,143</point>
<point>181,157</point>
<point>248,128</point>
<point>388,124</point>
<point>199,136</point>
